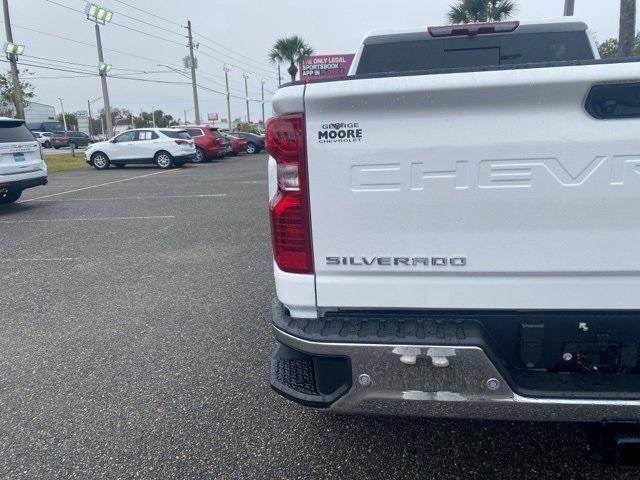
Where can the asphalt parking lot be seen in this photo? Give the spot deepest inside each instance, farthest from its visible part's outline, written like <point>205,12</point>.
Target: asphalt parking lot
<point>135,344</point>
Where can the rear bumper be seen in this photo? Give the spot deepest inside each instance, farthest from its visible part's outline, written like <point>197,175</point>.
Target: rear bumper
<point>185,158</point>
<point>448,379</point>
<point>20,185</point>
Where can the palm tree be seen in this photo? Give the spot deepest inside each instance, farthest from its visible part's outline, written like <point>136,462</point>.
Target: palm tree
<point>291,50</point>
<point>627,27</point>
<point>470,11</point>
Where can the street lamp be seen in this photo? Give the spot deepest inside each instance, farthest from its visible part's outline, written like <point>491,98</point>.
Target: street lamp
<point>98,14</point>
<point>101,16</point>
<point>246,92</point>
<point>262,82</point>
<point>227,68</point>
<point>13,49</point>
<point>64,116</point>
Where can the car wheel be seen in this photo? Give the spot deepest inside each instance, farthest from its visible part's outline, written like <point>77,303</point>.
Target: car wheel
<point>47,144</point>
<point>100,161</point>
<point>57,148</point>
<point>251,148</point>
<point>9,197</point>
<point>200,156</point>
<point>164,160</point>
<point>119,165</point>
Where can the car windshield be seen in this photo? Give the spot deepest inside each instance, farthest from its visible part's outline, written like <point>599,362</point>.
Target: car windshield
<point>15,132</point>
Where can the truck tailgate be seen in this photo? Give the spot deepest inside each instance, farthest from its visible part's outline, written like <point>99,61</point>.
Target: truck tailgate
<point>491,189</point>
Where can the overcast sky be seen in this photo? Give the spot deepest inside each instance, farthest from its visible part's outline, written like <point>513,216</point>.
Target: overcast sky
<point>247,27</point>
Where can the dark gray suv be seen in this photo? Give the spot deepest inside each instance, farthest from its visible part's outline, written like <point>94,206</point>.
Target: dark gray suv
<point>255,143</point>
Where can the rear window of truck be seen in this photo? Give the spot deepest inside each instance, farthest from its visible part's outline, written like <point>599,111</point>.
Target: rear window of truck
<point>475,51</point>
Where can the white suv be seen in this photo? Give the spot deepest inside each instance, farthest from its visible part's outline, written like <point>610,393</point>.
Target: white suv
<point>21,163</point>
<point>163,147</point>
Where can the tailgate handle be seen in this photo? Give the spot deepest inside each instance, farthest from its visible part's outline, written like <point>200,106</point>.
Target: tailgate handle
<point>614,101</point>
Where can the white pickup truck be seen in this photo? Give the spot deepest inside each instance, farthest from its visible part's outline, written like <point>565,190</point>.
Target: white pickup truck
<point>456,227</point>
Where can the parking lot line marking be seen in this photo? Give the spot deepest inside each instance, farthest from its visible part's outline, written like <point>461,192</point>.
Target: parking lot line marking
<point>7,260</point>
<point>96,219</point>
<point>155,197</point>
<point>97,186</point>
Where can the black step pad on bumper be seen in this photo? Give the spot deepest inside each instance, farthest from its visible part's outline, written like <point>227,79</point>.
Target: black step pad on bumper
<point>312,380</point>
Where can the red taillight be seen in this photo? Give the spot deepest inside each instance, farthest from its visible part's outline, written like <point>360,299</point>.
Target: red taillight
<point>471,29</point>
<point>180,142</point>
<point>290,232</point>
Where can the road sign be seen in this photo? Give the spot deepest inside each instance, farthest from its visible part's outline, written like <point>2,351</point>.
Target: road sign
<point>212,117</point>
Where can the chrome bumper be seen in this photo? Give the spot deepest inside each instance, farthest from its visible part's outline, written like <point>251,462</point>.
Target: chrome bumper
<point>456,382</point>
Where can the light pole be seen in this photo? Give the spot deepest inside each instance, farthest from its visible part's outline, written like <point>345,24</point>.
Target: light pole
<point>262,94</point>
<point>246,92</point>
<point>227,68</point>
<point>569,6</point>
<point>13,51</point>
<point>101,16</point>
<point>153,116</point>
<point>64,116</point>
<point>89,102</point>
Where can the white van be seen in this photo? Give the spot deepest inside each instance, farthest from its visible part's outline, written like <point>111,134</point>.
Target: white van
<point>21,163</point>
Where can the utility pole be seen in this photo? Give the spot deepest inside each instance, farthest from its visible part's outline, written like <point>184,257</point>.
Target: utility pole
<point>185,118</point>
<point>194,83</point>
<point>64,115</point>
<point>17,88</point>
<point>569,6</point>
<point>153,116</point>
<point>246,92</point>
<point>90,119</point>
<point>227,68</point>
<point>279,76</point>
<point>103,79</point>
<point>262,93</point>
<point>627,27</point>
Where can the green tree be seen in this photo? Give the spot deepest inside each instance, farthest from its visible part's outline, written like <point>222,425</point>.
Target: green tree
<point>8,99</point>
<point>72,120</point>
<point>163,120</point>
<point>610,48</point>
<point>626,42</point>
<point>290,50</point>
<point>471,11</point>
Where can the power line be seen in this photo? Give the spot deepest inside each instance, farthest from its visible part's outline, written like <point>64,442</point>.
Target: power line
<point>148,13</point>
<point>223,61</point>
<point>154,60</point>
<point>117,24</point>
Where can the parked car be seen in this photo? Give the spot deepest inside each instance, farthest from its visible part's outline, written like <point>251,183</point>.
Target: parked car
<point>210,143</point>
<point>66,139</point>
<point>237,144</point>
<point>21,163</point>
<point>255,143</point>
<point>164,147</point>
<point>44,138</point>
